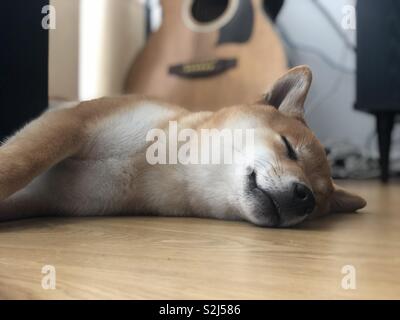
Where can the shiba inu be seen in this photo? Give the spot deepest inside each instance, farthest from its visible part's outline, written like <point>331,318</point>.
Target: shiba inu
<point>90,160</point>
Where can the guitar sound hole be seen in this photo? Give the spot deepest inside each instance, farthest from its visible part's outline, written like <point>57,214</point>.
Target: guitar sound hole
<point>272,7</point>
<point>205,11</point>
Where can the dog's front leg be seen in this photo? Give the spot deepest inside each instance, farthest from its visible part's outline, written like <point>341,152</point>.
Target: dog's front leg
<point>41,144</point>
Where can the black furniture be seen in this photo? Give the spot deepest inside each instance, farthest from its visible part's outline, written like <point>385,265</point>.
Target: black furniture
<point>23,63</point>
<point>378,69</point>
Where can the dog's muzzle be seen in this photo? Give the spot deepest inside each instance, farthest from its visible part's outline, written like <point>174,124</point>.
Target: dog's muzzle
<point>288,206</point>
<point>294,204</point>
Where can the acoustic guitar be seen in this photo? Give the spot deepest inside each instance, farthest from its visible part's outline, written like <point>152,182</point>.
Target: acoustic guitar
<point>208,54</point>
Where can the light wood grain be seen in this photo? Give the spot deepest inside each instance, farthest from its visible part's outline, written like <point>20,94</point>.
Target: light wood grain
<point>163,258</point>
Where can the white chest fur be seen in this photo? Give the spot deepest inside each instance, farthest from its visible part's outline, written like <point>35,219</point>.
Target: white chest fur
<point>103,178</point>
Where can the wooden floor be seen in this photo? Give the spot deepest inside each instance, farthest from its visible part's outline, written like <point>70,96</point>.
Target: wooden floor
<point>168,258</point>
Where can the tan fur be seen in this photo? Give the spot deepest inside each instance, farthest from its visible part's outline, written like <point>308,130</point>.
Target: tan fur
<point>90,160</point>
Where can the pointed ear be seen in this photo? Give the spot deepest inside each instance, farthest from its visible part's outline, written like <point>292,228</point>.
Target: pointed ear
<point>343,201</point>
<point>289,93</point>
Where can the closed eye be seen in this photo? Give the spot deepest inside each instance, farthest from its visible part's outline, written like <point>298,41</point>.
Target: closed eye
<point>290,151</point>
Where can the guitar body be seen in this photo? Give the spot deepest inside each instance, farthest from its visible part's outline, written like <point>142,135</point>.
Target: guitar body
<point>205,65</point>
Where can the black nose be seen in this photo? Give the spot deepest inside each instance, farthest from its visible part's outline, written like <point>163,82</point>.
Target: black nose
<point>303,199</point>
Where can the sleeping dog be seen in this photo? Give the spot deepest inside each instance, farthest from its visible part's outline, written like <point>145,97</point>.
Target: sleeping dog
<point>92,159</point>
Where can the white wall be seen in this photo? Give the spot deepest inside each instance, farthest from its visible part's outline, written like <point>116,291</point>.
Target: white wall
<point>111,33</point>
<point>329,107</point>
<point>64,51</point>
<point>93,46</point>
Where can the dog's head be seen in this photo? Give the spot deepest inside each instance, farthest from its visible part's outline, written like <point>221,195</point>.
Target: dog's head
<point>290,178</point>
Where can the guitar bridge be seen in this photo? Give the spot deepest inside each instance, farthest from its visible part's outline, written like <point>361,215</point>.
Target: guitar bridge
<point>203,69</point>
